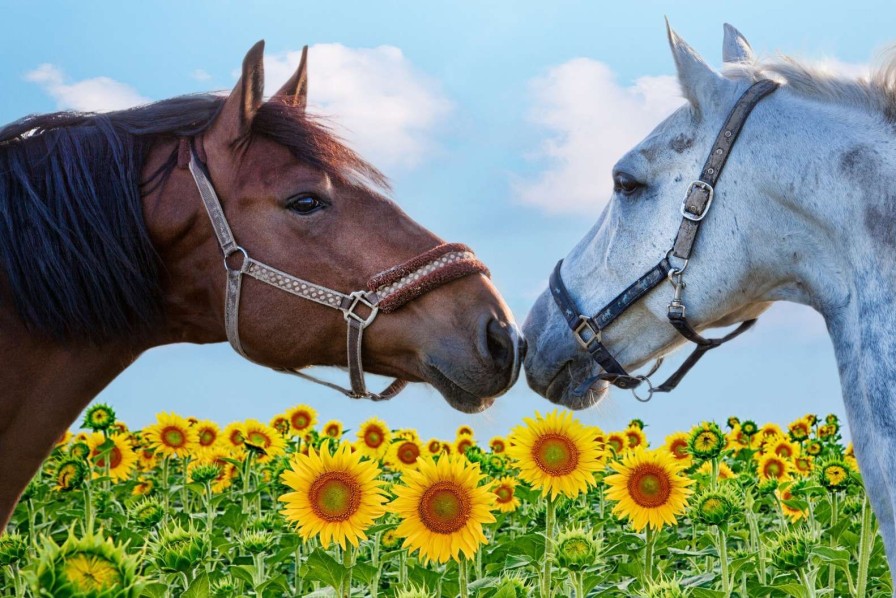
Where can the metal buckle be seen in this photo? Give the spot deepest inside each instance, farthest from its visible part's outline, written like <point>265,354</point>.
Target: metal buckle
<point>349,313</point>
<point>700,185</point>
<point>577,331</point>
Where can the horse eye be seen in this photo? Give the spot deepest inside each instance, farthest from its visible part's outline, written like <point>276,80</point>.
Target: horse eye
<point>626,184</point>
<point>304,204</point>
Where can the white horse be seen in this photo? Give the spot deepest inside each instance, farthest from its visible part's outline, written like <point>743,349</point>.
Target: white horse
<point>805,211</point>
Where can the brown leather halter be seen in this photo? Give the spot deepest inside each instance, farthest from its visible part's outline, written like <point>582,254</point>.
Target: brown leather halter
<point>385,292</point>
<point>587,330</point>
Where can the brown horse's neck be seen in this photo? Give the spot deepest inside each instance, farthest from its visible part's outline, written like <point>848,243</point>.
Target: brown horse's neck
<point>43,387</point>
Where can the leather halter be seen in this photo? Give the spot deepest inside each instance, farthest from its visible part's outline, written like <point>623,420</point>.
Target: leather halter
<point>697,201</point>
<point>385,292</point>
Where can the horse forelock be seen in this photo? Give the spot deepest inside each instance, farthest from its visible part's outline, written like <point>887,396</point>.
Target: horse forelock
<point>874,92</point>
<point>76,260</point>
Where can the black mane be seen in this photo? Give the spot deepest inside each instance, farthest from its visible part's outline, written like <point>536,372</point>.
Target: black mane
<point>74,249</point>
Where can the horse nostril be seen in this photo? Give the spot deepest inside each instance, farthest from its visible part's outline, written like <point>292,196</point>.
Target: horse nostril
<point>499,342</point>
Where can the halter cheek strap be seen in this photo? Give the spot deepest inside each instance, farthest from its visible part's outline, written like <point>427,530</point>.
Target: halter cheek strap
<point>698,199</point>
<point>385,292</point>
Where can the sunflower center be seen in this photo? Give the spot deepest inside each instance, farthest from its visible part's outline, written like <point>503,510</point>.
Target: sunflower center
<point>679,449</point>
<point>504,494</point>
<point>773,469</point>
<point>335,496</point>
<point>258,439</point>
<point>373,437</point>
<point>555,454</point>
<point>649,485</point>
<point>114,458</point>
<point>408,453</point>
<point>91,572</point>
<point>784,451</point>
<point>615,444</point>
<point>444,508</point>
<point>236,438</point>
<point>206,437</point>
<point>300,421</point>
<point>463,445</point>
<point>173,437</point>
<point>706,440</point>
<point>332,430</point>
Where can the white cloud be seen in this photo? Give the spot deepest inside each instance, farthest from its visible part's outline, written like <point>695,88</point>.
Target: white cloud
<point>99,94</point>
<point>201,75</point>
<point>591,121</point>
<point>385,108</point>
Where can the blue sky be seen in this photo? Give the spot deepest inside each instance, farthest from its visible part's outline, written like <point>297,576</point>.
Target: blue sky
<point>469,153</point>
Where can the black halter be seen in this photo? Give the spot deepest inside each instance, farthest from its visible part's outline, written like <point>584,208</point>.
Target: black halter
<point>697,202</point>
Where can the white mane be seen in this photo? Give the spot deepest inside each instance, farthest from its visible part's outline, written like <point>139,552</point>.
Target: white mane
<point>875,93</point>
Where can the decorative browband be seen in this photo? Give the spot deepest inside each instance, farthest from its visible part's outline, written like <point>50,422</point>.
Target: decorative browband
<point>440,265</point>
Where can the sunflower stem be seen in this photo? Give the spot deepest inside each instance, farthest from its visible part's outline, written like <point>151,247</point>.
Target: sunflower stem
<point>375,561</point>
<point>835,503</point>
<point>714,482</point>
<point>88,506</point>
<point>549,515</point>
<point>403,568</point>
<point>723,560</point>
<point>649,540</point>
<point>299,578</point>
<point>462,577</point>
<point>164,485</point>
<point>348,562</point>
<point>866,542</point>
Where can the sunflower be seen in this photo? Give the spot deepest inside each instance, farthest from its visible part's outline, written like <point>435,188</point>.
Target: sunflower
<point>749,427</point>
<point>464,430</point>
<point>281,424</point>
<point>677,445</point>
<point>739,439</point>
<point>497,444</point>
<point>336,496</point>
<point>803,465</point>
<point>117,450</point>
<point>406,434</point>
<point>434,447</point>
<point>725,472</point>
<point>171,435</point>
<point>301,418</point>
<point>86,566</point>
<point>648,488</point>
<point>828,430</point>
<point>144,486</point>
<point>814,448</point>
<point>404,453</point>
<point>234,436</point>
<point>263,440</point>
<point>706,441</point>
<point>770,429</point>
<point>64,439</point>
<point>555,454</point>
<point>99,417</point>
<point>835,475</point>
<point>333,429</point>
<point>616,442</point>
<point>784,495</point>
<point>773,467</point>
<point>783,448</point>
<point>146,458</point>
<point>799,429</point>
<point>462,443</point>
<point>70,474</point>
<point>635,437</point>
<point>207,433</point>
<point>218,455</point>
<point>443,508</point>
<point>505,497</point>
<point>373,438</point>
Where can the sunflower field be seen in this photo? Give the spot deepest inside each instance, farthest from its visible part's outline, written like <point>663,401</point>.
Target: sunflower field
<point>297,508</point>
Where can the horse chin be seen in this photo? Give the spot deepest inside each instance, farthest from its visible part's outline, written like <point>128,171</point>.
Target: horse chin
<point>456,395</point>
<point>564,388</point>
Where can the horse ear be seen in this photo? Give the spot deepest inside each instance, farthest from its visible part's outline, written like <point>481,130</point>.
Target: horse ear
<point>699,83</point>
<point>235,119</point>
<point>736,48</point>
<point>295,90</point>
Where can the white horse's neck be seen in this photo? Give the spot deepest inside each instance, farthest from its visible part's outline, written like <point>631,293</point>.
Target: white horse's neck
<point>841,259</point>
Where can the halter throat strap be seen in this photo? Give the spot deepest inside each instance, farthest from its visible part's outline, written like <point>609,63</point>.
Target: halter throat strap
<point>386,292</point>
<point>698,199</point>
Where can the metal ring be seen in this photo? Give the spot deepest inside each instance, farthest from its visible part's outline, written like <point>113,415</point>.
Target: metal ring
<point>684,266</point>
<point>227,255</point>
<point>650,390</point>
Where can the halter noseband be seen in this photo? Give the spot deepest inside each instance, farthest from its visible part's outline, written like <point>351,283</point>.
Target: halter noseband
<point>697,201</point>
<point>385,292</point>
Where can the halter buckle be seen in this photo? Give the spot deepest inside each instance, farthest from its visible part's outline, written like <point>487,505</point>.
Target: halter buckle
<point>586,323</point>
<point>359,298</point>
<point>685,212</point>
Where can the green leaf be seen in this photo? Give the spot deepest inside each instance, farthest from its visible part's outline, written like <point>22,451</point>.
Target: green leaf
<point>244,572</point>
<point>199,588</point>
<point>320,566</point>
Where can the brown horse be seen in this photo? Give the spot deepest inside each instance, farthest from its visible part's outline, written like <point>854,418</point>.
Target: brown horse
<point>106,250</point>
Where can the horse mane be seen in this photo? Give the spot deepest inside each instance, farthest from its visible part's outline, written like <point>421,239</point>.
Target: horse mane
<point>875,93</point>
<point>75,253</point>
